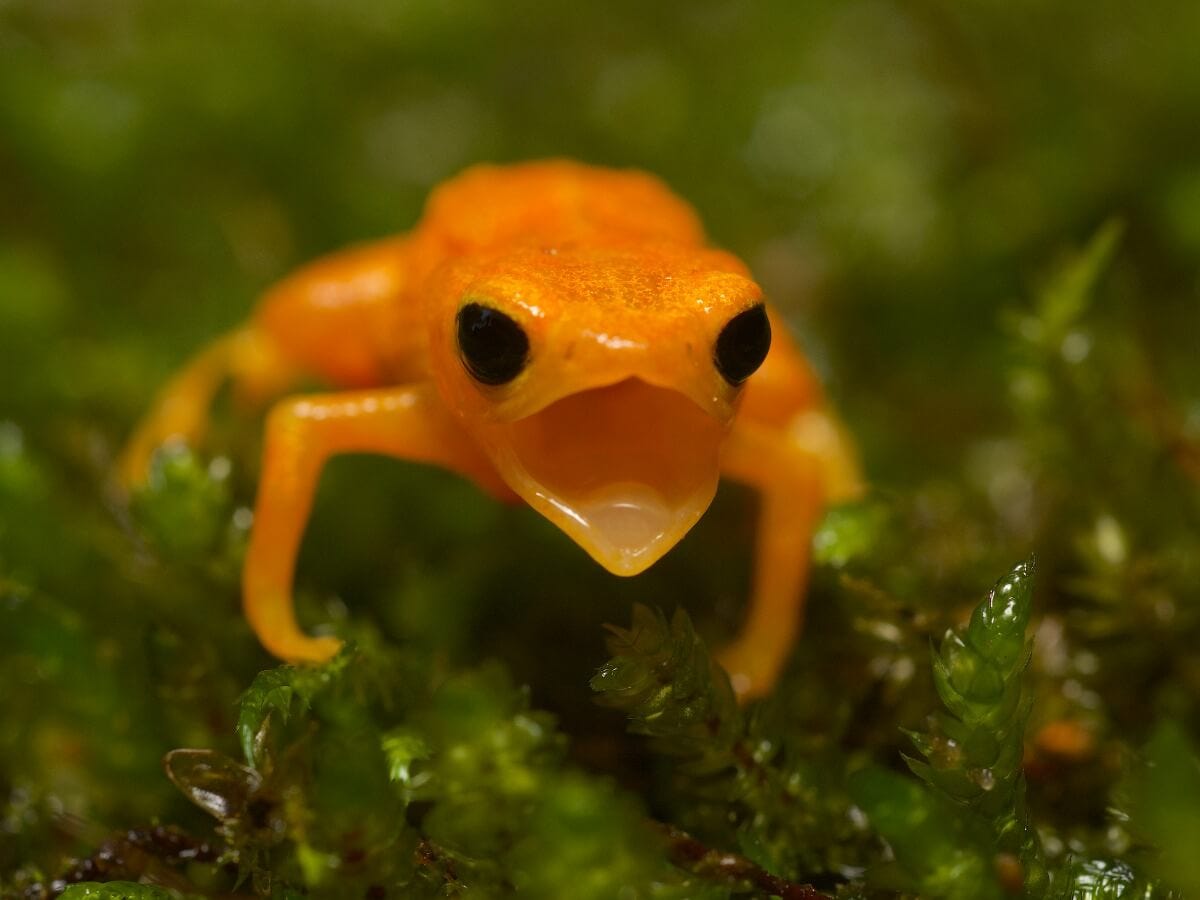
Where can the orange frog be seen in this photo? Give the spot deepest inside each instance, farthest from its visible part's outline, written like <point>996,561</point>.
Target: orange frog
<point>559,334</point>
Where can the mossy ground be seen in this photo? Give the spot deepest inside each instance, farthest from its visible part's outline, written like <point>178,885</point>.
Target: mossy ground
<point>983,223</point>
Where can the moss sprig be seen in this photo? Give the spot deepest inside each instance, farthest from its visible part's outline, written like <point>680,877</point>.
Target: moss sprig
<point>971,827</point>
<point>280,692</point>
<point>1099,879</point>
<point>670,688</point>
<point>973,757</point>
<point>116,890</point>
<point>732,781</point>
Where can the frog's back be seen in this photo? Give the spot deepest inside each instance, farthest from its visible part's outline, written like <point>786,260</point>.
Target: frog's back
<point>356,318</point>
<point>489,207</point>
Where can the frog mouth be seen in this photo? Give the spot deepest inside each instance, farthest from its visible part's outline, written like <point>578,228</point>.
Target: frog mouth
<point>625,470</point>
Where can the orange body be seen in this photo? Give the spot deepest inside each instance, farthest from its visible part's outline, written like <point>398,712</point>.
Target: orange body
<point>560,334</point>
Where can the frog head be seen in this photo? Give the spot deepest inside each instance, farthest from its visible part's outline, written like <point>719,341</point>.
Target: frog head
<point>601,381</point>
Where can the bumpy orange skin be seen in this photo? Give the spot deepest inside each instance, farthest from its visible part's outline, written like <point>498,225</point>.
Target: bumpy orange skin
<point>617,429</point>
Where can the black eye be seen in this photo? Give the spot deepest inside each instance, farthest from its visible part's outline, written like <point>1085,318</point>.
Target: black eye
<point>743,344</point>
<point>493,347</point>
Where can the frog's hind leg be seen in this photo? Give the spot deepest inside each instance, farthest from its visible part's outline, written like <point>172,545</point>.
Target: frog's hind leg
<point>248,357</point>
<point>796,471</point>
<point>792,450</point>
<point>330,320</point>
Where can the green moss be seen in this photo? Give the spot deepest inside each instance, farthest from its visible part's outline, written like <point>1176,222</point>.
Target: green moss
<point>280,691</point>
<point>1164,798</point>
<point>116,890</point>
<point>938,854</point>
<point>974,757</point>
<point>184,507</point>
<point>975,813</point>
<point>1104,880</point>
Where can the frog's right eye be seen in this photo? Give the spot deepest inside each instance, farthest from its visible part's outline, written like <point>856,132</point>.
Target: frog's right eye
<point>493,347</point>
<point>743,344</point>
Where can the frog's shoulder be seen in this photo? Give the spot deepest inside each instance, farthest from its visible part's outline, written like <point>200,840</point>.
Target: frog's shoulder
<point>491,206</point>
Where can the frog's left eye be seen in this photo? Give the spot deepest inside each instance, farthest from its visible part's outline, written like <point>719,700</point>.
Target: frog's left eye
<point>743,344</point>
<point>493,347</point>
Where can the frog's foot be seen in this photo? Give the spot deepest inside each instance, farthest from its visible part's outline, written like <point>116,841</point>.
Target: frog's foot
<point>296,647</point>
<point>271,614</point>
<point>181,410</point>
<point>753,667</point>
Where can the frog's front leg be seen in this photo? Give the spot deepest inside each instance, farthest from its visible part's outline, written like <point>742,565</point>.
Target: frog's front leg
<point>796,468</point>
<point>301,434</point>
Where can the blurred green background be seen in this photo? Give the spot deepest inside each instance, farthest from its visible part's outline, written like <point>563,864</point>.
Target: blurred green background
<point>904,178</point>
<point>894,172</point>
